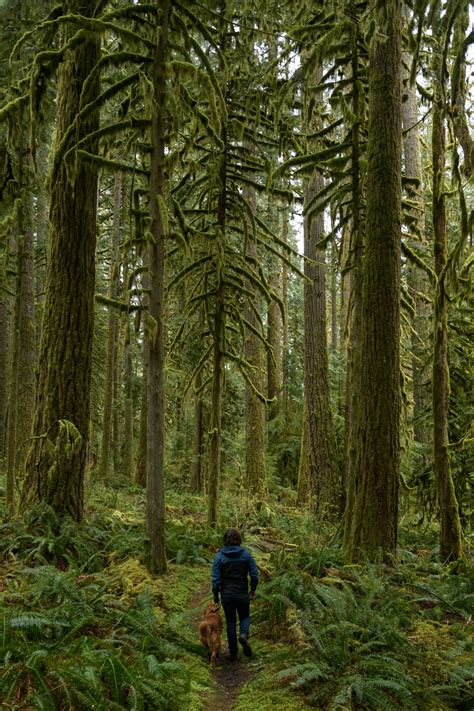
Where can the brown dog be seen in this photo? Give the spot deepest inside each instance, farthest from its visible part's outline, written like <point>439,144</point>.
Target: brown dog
<point>209,631</point>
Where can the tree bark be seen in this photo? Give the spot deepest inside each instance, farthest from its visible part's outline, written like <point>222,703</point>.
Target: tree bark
<point>198,440</point>
<point>255,415</point>
<point>128,449</point>
<point>56,463</point>
<point>140,473</point>
<point>417,279</point>
<point>354,323</point>
<point>275,342</point>
<point>372,523</point>
<point>4,350</point>
<point>197,464</point>
<point>318,457</point>
<point>155,340</point>
<point>215,434</point>
<point>23,363</point>
<point>105,459</point>
<point>450,528</point>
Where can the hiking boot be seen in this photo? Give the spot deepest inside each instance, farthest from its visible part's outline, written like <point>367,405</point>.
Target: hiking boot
<point>232,658</point>
<point>246,648</point>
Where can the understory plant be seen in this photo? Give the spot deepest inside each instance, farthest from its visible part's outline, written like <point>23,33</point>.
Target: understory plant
<point>361,637</point>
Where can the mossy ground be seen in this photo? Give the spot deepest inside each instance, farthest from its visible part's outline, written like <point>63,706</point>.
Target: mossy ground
<point>320,628</point>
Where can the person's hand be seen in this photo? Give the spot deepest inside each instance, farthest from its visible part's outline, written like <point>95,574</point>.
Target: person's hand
<point>252,594</point>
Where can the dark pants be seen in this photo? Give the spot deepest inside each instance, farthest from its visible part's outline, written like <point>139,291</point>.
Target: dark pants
<point>234,606</point>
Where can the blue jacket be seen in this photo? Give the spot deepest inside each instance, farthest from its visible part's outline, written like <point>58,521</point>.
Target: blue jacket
<point>230,570</point>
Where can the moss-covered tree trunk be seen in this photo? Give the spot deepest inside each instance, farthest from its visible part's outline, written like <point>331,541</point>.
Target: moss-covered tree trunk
<point>215,419</point>
<point>155,336</point>
<point>105,459</point>
<point>274,337</point>
<point>462,130</point>
<point>353,250</point>
<point>450,528</point>
<point>198,439</point>
<point>4,348</point>
<point>128,443</point>
<point>318,463</point>
<point>218,326</point>
<point>333,290</point>
<point>218,334</point>
<point>140,472</point>
<point>372,519</point>
<point>197,463</point>
<point>255,415</point>
<point>117,434</point>
<point>23,363</point>
<point>285,352</point>
<point>56,463</point>
<point>417,279</point>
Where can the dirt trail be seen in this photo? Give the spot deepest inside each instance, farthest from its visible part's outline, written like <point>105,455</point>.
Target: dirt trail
<point>229,677</point>
<point>228,680</point>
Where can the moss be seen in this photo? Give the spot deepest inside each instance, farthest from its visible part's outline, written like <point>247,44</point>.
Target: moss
<point>182,583</point>
<point>264,691</point>
<point>201,681</point>
<point>129,578</point>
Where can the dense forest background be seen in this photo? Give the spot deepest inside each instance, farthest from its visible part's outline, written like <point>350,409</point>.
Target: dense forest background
<point>235,289</point>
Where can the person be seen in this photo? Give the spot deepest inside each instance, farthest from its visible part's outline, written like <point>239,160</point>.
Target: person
<point>232,567</point>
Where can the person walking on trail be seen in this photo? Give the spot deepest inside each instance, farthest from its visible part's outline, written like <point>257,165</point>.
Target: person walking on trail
<point>232,567</point>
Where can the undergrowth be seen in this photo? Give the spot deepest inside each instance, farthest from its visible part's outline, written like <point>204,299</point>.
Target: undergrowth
<point>85,626</point>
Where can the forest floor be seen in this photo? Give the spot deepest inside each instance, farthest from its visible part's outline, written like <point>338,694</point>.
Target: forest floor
<point>83,624</point>
<point>245,685</point>
<point>229,677</point>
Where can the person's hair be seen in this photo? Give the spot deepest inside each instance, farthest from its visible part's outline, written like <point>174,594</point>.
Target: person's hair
<point>232,537</point>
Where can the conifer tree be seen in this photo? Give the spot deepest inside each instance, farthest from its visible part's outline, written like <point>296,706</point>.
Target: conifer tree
<point>105,460</point>
<point>318,462</point>
<point>372,523</point>
<point>450,527</point>
<point>155,340</point>
<point>56,462</point>
<point>417,278</point>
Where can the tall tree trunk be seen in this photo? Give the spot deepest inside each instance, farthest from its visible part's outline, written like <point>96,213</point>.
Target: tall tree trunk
<point>450,528</point>
<point>319,458</point>
<point>4,348</point>
<point>116,421</point>
<point>198,443</point>
<point>140,472</point>
<point>285,341</point>
<point>215,425</point>
<point>255,415</point>
<point>373,516</point>
<point>128,443</point>
<point>23,362</point>
<point>56,464</point>
<point>274,337</point>
<point>127,460</point>
<point>197,479</point>
<point>345,394</point>
<point>274,361</point>
<point>459,89</point>
<point>155,340</point>
<point>354,323</point>
<point>105,459</point>
<point>417,279</point>
<point>219,318</point>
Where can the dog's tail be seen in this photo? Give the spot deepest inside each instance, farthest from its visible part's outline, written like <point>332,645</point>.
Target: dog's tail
<point>213,635</point>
